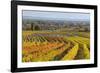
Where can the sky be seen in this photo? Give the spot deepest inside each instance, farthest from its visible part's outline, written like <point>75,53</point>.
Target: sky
<point>49,15</point>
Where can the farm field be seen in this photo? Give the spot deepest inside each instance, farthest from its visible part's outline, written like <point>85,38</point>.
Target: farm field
<point>39,46</point>
<point>55,36</point>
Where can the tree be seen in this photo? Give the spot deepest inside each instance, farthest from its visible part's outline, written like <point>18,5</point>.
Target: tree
<point>32,26</point>
<point>36,27</point>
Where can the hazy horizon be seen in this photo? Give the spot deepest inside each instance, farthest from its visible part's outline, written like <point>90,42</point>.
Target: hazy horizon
<point>48,15</point>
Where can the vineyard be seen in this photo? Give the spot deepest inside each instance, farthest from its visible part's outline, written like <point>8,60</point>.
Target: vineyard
<point>48,46</point>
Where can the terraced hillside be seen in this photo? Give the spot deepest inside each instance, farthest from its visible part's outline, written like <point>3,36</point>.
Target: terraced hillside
<point>55,46</point>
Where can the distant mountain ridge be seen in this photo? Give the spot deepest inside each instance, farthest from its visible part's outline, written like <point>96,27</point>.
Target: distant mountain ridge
<point>54,19</point>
